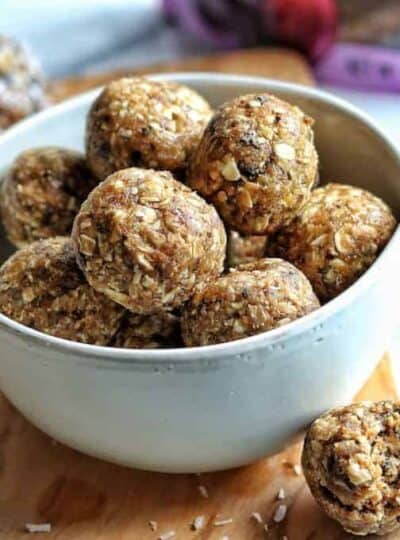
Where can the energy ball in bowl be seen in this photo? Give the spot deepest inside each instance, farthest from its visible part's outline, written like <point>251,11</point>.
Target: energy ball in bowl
<point>138,122</point>
<point>251,299</point>
<point>42,193</point>
<point>156,331</point>
<point>42,287</point>
<point>256,163</point>
<point>351,461</point>
<point>338,235</point>
<point>21,83</point>
<point>244,249</point>
<point>146,240</point>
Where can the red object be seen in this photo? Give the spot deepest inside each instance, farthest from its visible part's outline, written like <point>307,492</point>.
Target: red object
<point>306,24</point>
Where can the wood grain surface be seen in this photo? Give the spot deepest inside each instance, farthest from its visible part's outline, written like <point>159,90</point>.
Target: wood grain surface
<point>282,64</point>
<point>87,499</point>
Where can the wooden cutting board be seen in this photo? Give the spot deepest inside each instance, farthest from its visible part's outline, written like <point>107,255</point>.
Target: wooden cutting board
<point>87,499</point>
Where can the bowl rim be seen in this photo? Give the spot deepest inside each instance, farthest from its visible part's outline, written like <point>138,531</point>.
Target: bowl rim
<point>269,339</point>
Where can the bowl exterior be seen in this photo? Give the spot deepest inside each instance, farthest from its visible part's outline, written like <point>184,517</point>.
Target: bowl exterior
<point>196,411</point>
<point>184,417</point>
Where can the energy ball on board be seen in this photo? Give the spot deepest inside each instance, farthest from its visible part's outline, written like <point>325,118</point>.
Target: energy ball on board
<point>244,249</point>
<point>156,331</point>
<point>251,299</point>
<point>338,235</point>
<point>21,83</point>
<point>138,122</point>
<point>42,287</point>
<point>351,461</point>
<point>256,163</point>
<point>42,193</point>
<point>146,240</point>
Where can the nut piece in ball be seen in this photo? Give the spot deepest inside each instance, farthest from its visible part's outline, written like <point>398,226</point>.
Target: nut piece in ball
<point>244,249</point>
<point>351,461</point>
<point>143,123</point>
<point>338,235</point>
<point>42,287</point>
<point>256,163</point>
<point>251,299</point>
<point>156,331</point>
<point>21,83</point>
<point>146,240</point>
<point>42,194</point>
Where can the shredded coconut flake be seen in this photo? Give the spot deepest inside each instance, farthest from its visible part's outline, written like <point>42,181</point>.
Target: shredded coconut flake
<point>167,535</point>
<point>198,523</point>
<point>266,528</point>
<point>257,517</point>
<point>281,494</point>
<point>280,513</point>
<point>38,527</point>
<point>222,522</point>
<point>203,491</point>
<point>297,469</point>
<point>153,525</point>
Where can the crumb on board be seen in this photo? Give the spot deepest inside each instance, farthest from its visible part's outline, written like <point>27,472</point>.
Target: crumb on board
<point>203,491</point>
<point>256,516</point>
<point>153,525</point>
<point>280,513</point>
<point>281,494</point>
<point>167,535</point>
<point>198,523</point>
<point>38,527</point>
<point>222,522</point>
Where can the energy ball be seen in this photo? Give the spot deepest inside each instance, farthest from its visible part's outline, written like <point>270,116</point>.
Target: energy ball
<point>244,249</point>
<point>42,287</point>
<point>21,83</point>
<point>351,461</point>
<point>142,123</point>
<point>256,163</point>
<point>338,235</point>
<point>42,193</point>
<point>251,299</point>
<point>156,331</point>
<point>146,240</point>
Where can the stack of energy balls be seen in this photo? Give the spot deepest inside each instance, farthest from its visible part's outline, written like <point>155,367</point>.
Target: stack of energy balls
<point>126,246</point>
<point>187,227</point>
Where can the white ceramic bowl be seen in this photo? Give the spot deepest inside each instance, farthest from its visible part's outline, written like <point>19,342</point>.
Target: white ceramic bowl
<point>201,409</point>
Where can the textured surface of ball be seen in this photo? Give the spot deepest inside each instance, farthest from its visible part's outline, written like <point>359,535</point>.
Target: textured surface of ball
<point>147,241</point>
<point>157,331</point>
<point>42,193</point>
<point>337,237</point>
<point>251,299</point>
<point>21,83</point>
<point>137,122</point>
<point>42,287</point>
<point>256,162</point>
<point>351,460</point>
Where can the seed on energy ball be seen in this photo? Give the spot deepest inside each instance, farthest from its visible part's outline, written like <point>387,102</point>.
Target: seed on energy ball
<point>351,461</point>
<point>256,162</point>
<point>138,122</point>
<point>251,299</point>
<point>42,193</point>
<point>156,331</point>
<point>244,249</point>
<point>21,83</point>
<point>146,240</point>
<point>42,287</point>
<point>336,238</point>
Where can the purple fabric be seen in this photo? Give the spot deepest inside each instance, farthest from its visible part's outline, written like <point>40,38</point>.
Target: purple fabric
<point>361,67</point>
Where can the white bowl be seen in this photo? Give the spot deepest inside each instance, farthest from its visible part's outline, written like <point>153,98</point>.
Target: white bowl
<point>202,409</point>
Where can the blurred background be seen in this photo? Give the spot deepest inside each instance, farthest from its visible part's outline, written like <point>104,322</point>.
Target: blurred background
<point>349,46</point>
